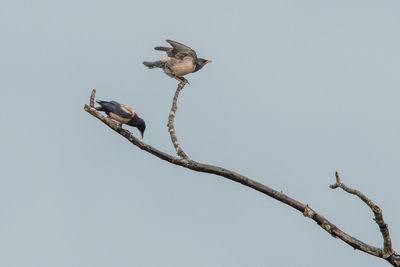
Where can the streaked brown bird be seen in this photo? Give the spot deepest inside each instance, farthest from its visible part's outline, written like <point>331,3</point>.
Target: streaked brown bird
<point>122,114</point>
<point>181,60</point>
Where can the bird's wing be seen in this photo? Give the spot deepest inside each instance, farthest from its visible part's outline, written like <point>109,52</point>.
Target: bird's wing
<point>119,110</point>
<point>180,51</point>
<point>162,48</point>
<point>114,107</point>
<point>178,46</point>
<point>128,110</point>
<point>169,50</point>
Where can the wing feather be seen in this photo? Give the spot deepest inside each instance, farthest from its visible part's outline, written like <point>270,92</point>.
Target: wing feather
<point>178,50</point>
<point>114,107</point>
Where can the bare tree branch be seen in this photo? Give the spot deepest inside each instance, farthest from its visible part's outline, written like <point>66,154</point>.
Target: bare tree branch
<point>92,96</point>
<point>383,227</point>
<point>171,118</point>
<point>393,258</point>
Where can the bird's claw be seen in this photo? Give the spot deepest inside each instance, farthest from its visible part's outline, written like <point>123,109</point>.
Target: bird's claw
<point>183,81</point>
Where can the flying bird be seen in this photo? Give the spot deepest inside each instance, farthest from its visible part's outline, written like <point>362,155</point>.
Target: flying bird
<point>181,60</point>
<point>122,114</point>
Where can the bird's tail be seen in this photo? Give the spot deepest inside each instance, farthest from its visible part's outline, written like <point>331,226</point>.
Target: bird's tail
<point>155,64</point>
<point>101,108</point>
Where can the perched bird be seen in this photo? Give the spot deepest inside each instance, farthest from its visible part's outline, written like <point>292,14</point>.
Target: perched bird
<point>181,60</point>
<point>123,114</point>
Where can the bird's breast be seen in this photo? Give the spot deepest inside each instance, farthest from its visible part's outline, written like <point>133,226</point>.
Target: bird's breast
<point>182,68</point>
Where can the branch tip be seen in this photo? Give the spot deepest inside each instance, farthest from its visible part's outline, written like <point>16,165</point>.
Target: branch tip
<point>338,182</point>
<point>92,95</point>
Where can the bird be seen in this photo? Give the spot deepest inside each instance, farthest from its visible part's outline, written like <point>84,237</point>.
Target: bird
<point>181,60</point>
<point>122,114</point>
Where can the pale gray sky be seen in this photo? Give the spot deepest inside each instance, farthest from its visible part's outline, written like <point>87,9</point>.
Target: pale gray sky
<point>297,90</point>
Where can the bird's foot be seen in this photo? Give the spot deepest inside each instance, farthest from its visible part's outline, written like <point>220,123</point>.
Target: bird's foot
<point>182,81</point>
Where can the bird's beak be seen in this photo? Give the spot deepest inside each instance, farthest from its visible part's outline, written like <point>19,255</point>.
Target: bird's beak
<point>208,61</point>
<point>141,134</point>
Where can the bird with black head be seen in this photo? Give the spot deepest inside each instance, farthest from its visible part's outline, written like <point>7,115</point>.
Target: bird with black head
<point>122,114</point>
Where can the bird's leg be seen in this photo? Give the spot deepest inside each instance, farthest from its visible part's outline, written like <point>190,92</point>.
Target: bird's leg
<point>182,80</point>
<point>185,80</point>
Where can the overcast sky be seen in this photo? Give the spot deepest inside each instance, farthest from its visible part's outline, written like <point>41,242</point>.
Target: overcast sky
<point>296,91</point>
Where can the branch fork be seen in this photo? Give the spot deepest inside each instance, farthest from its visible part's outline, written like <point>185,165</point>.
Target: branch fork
<point>378,216</point>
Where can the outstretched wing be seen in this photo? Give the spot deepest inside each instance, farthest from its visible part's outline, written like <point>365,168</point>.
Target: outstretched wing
<point>178,46</point>
<point>178,50</point>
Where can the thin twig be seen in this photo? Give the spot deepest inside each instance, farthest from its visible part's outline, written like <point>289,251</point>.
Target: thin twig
<point>92,95</point>
<point>171,119</point>
<point>383,227</point>
<point>332,229</point>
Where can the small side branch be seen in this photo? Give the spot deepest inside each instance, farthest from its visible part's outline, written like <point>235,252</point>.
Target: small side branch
<point>92,95</point>
<point>171,119</point>
<point>383,227</point>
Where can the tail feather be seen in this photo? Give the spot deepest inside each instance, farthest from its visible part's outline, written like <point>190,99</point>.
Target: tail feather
<point>151,65</point>
<point>101,103</point>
